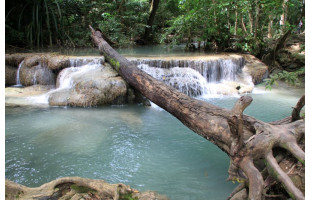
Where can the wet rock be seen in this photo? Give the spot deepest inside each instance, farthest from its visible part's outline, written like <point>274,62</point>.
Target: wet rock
<point>23,96</point>
<point>58,62</point>
<point>53,61</point>
<point>36,74</point>
<point>10,75</point>
<point>15,59</point>
<point>34,60</point>
<point>150,195</point>
<point>98,86</point>
<point>257,69</point>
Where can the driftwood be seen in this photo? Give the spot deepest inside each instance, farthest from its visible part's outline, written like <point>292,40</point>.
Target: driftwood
<point>77,188</point>
<point>225,128</point>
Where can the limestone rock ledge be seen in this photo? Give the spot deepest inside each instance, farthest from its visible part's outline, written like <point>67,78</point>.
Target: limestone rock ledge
<point>256,68</point>
<point>77,188</point>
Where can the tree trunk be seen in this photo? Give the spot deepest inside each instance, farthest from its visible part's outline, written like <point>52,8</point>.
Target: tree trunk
<point>251,21</point>
<point>244,139</point>
<point>257,11</point>
<point>283,16</point>
<point>236,21</point>
<point>243,26</point>
<point>270,58</point>
<point>150,21</point>
<point>269,35</point>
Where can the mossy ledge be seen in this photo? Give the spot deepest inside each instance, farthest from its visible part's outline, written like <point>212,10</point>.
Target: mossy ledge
<point>77,188</point>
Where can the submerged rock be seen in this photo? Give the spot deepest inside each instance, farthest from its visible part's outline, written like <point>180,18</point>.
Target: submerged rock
<point>23,96</point>
<point>77,188</point>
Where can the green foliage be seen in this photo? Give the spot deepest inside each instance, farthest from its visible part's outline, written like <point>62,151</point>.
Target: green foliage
<point>200,21</point>
<point>127,196</point>
<point>125,22</point>
<point>292,78</point>
<point>212,22</point>
<point>82,189</point>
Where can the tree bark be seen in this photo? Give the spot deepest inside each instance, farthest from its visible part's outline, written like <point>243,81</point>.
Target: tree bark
<point>243,26</point>
<point>283,16</point>
<point>257,13</point>
<point>236,21</point>
<point>223,127</point>
<point>150,21</point>
<point>269,35</point>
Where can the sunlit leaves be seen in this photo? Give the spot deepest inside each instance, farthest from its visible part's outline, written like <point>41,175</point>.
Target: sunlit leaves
<point>292,78</point>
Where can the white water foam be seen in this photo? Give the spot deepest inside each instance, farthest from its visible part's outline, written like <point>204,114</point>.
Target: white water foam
<point>18,84</point>
<point>203,81</point>
<point>186,80</point>
<point>66,78</point>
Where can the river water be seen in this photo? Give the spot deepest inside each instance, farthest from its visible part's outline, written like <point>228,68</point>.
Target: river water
<point>144,147</point>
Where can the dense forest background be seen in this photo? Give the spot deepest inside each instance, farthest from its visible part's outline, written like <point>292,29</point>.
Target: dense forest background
<point>241,25</point>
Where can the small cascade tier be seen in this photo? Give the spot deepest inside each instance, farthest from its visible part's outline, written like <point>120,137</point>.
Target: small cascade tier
<point>213,69</point>
<point>194,76</point>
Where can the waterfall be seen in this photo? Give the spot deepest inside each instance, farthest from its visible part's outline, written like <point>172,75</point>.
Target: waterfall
<point>78,62</point>
<point>18,84</point>
<point>66,76</point>
<point>194,77</point>
<point>213,69</point>
<point>65,79</point>
<point>186,80</point>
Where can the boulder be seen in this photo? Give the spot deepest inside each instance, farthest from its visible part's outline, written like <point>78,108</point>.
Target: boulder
<point>58,62</point>
<point>89,86</point>
<point>15,59</point>
<point>256,68</point>
<point>10,75</point>
<point>36,74</point>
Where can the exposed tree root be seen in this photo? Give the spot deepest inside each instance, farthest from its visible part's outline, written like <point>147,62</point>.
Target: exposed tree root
<point>296,110</point>
<point>281,176</point>
<point>76,188</point>
<point>240,187</point>
<point>261,146</point>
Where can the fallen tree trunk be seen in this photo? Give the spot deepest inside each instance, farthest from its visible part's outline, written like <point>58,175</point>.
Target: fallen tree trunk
<point>246,140</point>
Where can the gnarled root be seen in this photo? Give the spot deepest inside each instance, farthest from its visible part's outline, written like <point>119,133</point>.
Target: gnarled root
<point>240,187</point>
<point>296,110</point>
<point>260,147</point>
<point>76,188</point>
<point>256,181</point>
<point>275,170</point>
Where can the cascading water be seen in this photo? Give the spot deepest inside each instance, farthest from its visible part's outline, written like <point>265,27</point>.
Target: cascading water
<point>78,62</point>
<point>65,78</point>
<point>197,77</point>
<point>214,77</point>
<point>186,80</point>
<point>18,83</point>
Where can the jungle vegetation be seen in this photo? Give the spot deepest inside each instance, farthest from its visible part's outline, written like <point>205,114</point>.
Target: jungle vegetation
<point>243,25</point>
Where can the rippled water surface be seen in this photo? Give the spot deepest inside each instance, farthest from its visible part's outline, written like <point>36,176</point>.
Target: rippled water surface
<point>144,147</point>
